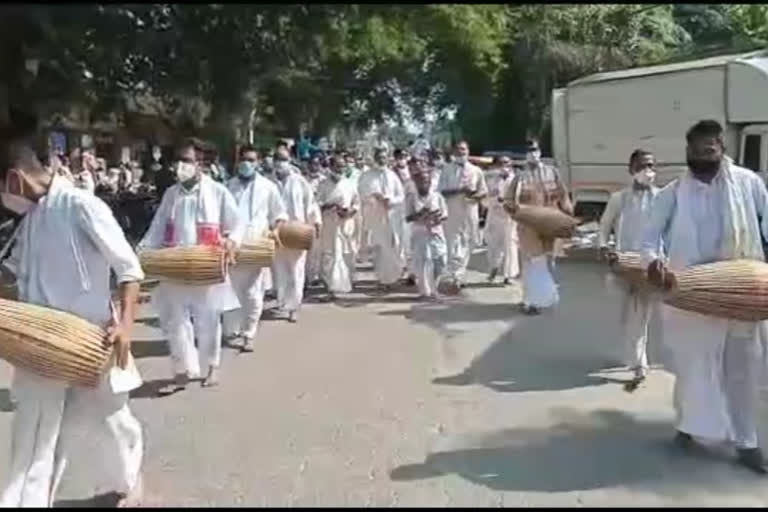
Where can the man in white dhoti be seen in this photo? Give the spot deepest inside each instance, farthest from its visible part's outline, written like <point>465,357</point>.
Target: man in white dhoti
<point>315,175</point>
<point>710,214</point>
<point>426,211</point>
<point>501,230</point>
<point>541,185</point>
<point>627,214</point>
<point>195,211</point>
<point>462,184</point>
<point>403,228</point>
<point>261,209</point>
<point>301,206</point>
<point>68,243</point>
<point>339,201</point>
<point>381,194</point>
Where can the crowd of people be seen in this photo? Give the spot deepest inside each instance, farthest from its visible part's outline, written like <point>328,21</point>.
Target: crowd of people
<point>415,216</point>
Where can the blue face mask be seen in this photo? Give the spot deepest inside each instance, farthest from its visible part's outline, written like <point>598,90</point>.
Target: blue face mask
<point>246,170</point>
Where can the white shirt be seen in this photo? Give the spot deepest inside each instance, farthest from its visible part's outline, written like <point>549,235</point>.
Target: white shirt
<point>299,199</point>
<point>627,213</point>
<point>259,204</point>
<point>707,204</point>
<point>208,202</point>
<point>66,247</point>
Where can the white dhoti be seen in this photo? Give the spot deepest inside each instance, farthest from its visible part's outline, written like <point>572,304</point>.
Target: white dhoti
<point>50,420</point>
<point>636,313</point>
<point>386,245</point>
<point>429,261</point>
<point>290,266</point>
<point>716,363</point>
<point>249,285</point>
<point>501,235</point>
<point>457,239</point>
<point>202,304</point>
<point>269,284</point>
<point>338,260</point>
<point>314,256</point>
<point>539,287</point>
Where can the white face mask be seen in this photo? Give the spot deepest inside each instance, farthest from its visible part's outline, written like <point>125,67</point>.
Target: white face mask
<point>185,171</point>
<point>644,178</point>
<point>17,204</point>
<point>533,157</point>
<point>461,159</point>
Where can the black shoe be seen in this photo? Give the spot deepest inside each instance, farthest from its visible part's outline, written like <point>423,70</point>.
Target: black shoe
<point>507,281</point>
<point>684,441</point>
<point>532,311</point>
<point>411,281</point>
<point>752,459</point>
<point>492,275</point>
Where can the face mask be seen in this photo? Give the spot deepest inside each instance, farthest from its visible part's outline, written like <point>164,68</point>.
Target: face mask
<point>246,170</point>
<point>703,167</point>
<point>282,169</point>
<point>533,157</point>
<point>186,172</point>
<point>461,159</point>
<point>644,178</point>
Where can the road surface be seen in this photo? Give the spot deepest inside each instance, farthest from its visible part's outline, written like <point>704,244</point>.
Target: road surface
<point>384,402</point>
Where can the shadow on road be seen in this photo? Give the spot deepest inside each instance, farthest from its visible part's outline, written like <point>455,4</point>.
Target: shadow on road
<point>151,389</point>
<point>604,449</point>
<point>560,349</point>
<point>149,348</point>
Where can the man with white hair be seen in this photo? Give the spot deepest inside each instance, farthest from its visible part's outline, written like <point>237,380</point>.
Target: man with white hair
<point>339,202</point>
<point>382,195</point>
<point>302,207</point>
<point>463,187</point>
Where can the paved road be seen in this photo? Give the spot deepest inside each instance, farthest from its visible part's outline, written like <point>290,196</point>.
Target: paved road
<point>386,402</point>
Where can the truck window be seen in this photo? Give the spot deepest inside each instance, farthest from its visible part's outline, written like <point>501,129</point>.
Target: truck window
<point>752,144</point>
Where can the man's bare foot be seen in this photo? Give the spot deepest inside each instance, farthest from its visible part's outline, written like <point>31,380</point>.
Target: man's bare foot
<point>212,379</point>
<point>134,497</point>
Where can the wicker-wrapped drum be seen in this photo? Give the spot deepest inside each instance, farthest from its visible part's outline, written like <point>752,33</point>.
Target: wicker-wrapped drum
<point>195,265</point>
<point>295,235</point>
<point>548,222</point>
<point>736,289</point>
<point>52,343</point>
<point>629,267</point>
<point>259,252</point>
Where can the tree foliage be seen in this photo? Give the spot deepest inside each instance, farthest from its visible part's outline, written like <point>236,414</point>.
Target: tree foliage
<point>282,66</point>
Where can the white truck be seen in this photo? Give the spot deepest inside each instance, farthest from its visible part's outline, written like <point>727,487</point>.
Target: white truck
<point>597,121</point>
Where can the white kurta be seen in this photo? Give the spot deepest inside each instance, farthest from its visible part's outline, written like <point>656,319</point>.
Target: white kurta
<point>627,214</point>
<point>337,234</point>
<point>66,247</point>
<point>427,242</point>
<point>185,218</point>
<point>715,361</point>
<point>461,226</point>
<point>403,228</point>
<point>501,231</point>
<point>260,207</point>
<point>313,256</point>
<point>290,264</point>
<point>382,221</point>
